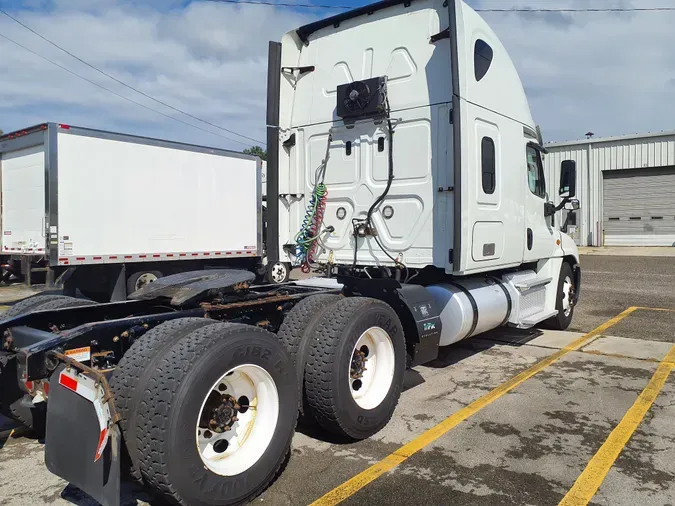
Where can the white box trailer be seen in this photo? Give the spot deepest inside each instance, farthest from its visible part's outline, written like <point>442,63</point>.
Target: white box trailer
<point>91,206</point>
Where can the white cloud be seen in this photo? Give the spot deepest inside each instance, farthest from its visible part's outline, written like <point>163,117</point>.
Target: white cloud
<point>208,59</point>
<point>609,73</point>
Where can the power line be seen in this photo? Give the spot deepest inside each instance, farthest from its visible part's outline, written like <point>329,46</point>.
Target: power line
<point>125,84</point>
<point>117,94</point>
<point>514,9</point>
<point>597,9</point>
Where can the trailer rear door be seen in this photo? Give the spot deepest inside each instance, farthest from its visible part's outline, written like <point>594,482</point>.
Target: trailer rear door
<point>23,200</point>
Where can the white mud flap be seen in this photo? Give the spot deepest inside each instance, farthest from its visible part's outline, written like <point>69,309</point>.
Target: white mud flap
<point>82,444</point>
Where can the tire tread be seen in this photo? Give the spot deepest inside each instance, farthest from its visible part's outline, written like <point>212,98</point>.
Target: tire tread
<point>159,395</point>
<point>322,360</point>
<point>135,366</point>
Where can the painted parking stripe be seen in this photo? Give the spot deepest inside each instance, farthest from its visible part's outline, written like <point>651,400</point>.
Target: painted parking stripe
<point>353,485</point>
<point>663,309</point>
<point>592,477</point>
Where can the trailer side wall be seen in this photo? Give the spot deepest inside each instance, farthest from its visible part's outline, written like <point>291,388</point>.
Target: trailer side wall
<point>126,201</point>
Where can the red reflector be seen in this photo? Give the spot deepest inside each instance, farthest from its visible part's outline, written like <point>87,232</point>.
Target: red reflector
<point>45,386</point>
<point>169,254</point>
<point>142,256</point>
<point>113,258</point>
<point>206,254</point>
<point>195,254</point>
<point>81,259</point>
<point>182,254</point>
<point>156,256</point>
<point>64,127</point>
<point>128,256</point>
<point>99,446</point>
<point>218,253</point>
<point>68,382</point>
<point>29,385</point>
<point>98,258</point>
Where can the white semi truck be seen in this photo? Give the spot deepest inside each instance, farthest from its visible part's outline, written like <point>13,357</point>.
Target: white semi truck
<point>106,213</point>
<point>403,158</point>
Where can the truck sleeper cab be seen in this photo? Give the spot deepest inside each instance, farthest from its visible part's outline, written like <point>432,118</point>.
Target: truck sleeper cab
<point>403,158</point>
<point>408,124</point>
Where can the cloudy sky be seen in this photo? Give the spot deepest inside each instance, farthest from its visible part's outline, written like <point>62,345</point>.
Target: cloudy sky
<point>611,73</point>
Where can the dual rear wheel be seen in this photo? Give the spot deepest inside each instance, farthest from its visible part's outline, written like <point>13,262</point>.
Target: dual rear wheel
<point>350,359</point>
<point>208,410</point>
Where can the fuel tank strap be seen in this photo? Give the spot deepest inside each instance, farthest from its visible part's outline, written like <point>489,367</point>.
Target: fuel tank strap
<point>509,301</point>
<point>474,306</point>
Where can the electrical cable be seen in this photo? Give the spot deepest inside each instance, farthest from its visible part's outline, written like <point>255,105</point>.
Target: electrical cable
<point>310,231</point>
<point>117,94</point>
<point>379,200</point>
<point>514,9</point>
<point>125,84</point>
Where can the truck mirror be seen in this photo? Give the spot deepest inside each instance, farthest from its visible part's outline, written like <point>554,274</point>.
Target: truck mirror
<point>572,205</point>
<point>568,179</point>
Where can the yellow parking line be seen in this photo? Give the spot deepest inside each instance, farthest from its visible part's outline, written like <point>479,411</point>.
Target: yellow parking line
<point>657,309</point>
<point>350,487</point>
<point>592,477</point>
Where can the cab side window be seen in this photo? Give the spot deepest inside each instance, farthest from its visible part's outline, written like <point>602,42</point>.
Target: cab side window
<point>535,173</point>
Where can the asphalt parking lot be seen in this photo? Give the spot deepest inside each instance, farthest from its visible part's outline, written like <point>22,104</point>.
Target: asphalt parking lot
<point>510,417</point>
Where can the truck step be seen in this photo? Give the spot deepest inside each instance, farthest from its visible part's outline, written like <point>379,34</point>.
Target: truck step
<point>538,317</point>
<point>528,284</point>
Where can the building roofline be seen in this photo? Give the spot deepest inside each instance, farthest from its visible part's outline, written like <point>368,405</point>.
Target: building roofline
<point>599,140</point>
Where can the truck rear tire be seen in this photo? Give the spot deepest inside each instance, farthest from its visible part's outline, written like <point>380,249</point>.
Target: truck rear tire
<point>31,304</point>
<point>217,416</point>
<point>14,402</point>
<point>136,367</point>
<point>347,398</point>
<point>295,334</point>
<point>564,302</point>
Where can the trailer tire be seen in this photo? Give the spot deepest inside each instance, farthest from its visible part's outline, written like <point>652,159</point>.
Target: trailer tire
<point>135,368</point>
<point>178,399</point>
<point>278,272</point>
<point>295,334</point>
<point>139,279</point>
<point>563,304</point>
<point>14,402</point>
<point>359,407</point>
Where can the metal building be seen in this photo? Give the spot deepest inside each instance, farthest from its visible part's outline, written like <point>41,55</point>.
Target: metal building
<point>626,188</point>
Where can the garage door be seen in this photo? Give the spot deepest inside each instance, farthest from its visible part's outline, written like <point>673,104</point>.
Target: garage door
<point>639,207</point>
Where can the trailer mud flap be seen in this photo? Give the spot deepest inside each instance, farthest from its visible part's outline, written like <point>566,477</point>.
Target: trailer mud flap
<point>82,445</point>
